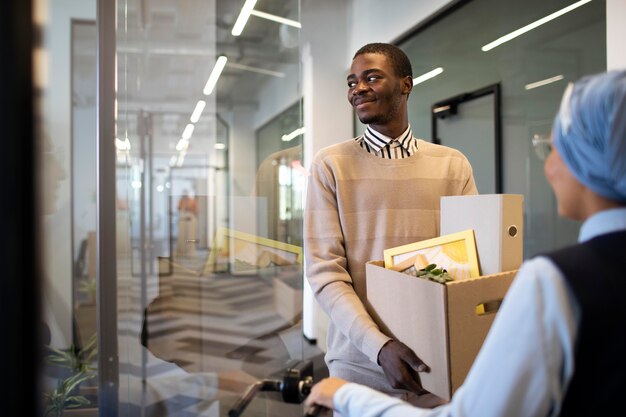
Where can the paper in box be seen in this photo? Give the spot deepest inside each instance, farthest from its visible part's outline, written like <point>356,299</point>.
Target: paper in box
<point>444,324</point>
<point>498,224</point>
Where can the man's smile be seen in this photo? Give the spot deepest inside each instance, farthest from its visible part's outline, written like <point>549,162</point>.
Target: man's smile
<point>357,102</point>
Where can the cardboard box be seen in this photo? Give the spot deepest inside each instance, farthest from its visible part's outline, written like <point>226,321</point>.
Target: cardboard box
<point>444,324</point>
<point>498,223</point>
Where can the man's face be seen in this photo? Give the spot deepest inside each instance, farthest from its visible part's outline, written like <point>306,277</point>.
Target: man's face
<point>377,94</point>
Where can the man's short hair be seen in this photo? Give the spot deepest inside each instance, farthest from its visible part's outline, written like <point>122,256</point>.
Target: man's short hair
<point>396,56</point>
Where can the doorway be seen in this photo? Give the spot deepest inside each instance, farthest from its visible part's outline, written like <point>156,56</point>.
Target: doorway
<point>471,123</point>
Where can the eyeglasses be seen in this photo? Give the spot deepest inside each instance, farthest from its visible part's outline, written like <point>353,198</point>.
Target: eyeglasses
<point>542,145</point>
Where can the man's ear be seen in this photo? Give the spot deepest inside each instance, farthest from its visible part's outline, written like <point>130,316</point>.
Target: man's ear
<point>407,85</point>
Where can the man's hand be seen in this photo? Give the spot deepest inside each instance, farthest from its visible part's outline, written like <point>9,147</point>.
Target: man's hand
<point>323,392</point>
<point>401,366</point>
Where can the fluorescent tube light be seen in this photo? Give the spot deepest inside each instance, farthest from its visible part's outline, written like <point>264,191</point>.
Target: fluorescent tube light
<point>427,76</point>
<point>289,136</point>
<point>188,131</point>
<point>182,145</point>
<point>220,146</point>
<point>543,82</point>
<point>533,25</point>
<point>215,75</point>
<point>274,18</point>
<point>241,21</point>
<point>197,112</point>
<point>442,108</point>
<point>257,70</point>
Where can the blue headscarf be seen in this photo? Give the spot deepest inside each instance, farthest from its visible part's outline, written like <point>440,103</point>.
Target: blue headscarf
<point>589,133</point>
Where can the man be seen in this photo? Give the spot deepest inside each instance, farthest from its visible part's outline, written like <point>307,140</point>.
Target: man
<point>368,194</point>
<point>557,345</point>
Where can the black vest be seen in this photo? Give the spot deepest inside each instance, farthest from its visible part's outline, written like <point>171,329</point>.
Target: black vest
<point>596,272</point>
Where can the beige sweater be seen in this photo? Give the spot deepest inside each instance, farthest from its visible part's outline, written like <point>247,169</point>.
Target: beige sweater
<point>357,205</point>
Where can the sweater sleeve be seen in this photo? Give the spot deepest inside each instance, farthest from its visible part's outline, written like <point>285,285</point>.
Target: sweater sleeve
<point>470,185</point>
<point>326,264</point>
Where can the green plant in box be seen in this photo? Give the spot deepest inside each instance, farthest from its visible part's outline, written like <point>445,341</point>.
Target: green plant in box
<point>433,273</point>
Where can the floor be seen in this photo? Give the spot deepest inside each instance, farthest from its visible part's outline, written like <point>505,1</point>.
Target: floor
<point>204,338</point>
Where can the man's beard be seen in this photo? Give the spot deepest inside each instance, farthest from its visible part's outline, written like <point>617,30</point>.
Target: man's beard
<point>373,119</point>
<point>381,118</point>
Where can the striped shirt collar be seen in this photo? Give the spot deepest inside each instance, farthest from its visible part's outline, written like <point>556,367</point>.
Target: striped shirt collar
<point>383,146</point>
<point>377,140</point>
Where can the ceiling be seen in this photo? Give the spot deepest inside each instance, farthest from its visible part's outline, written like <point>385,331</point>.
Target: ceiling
<point>166,50</point>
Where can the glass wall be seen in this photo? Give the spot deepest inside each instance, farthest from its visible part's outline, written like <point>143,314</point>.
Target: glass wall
<point>65,85</point>
<point>209,295</point>
<point>281,177</point>
<point>208,292</point>
<point>531,71</point>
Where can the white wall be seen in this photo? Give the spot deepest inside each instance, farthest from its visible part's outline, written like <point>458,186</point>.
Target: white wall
<point>615,34</point>
<point>384,21</point>
<point>328,115</point>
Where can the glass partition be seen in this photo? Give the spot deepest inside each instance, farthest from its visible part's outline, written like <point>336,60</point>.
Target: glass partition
<point>83,181</point>
<point>209,293</point>
<point>280,175</point>
<point>65,105</point>
<point>453,56</point>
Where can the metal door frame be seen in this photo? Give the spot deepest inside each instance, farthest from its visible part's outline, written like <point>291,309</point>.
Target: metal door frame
<point>449,107</point>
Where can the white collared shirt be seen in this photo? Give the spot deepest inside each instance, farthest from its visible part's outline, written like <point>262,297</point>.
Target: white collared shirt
<point>385,147</point>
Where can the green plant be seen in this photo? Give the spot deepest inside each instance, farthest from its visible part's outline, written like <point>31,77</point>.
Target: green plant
<point>88,286</point>
<point>433,273</point>
<point>78,362</point>
<point>60,398</point>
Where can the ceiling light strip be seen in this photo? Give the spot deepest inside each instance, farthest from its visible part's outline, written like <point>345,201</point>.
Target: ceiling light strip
<point>215,75</point>
<point>241,21</point>
<point>197,112</point>
<point>188,131</point>
<point>289,136</point>
<point>427,76</point>
<point>533,25</point>
<point>182,145</point>
<point>275,18</point>
<point>543,82</point>
<point>257,70</point>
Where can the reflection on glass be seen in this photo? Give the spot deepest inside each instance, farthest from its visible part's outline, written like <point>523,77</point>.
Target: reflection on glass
<point>209,277</point>
<point>65,109</point>
<point>542,145</point>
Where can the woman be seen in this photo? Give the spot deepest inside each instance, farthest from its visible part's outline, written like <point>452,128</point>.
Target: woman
<point>556,346</point>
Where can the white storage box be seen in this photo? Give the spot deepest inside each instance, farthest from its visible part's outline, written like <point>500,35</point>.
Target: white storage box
<point>498,223</point>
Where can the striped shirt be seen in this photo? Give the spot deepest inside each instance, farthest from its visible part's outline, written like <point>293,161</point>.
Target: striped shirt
<point>385,147</point>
